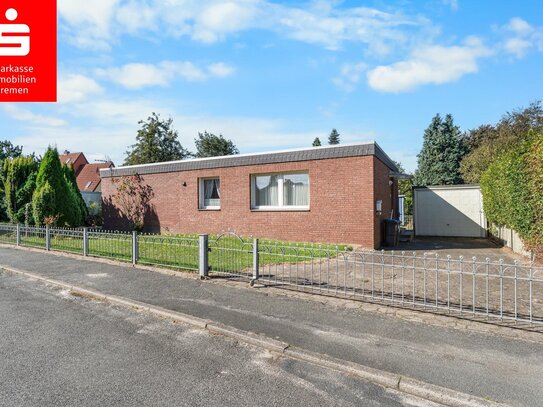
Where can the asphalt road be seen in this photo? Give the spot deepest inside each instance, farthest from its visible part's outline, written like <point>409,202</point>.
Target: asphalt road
<point>61,350</point>
<point>483,365</point>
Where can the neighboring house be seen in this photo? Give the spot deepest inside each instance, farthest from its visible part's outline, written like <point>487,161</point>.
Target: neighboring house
<point>87,175</point>
<point>334,194</point>
<point>78,160</point>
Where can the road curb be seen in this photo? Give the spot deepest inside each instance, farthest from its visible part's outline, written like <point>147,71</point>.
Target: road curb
<point>431,392</point>
<point>251,338</point>
<point>442,395</point>
<point>381,377</point>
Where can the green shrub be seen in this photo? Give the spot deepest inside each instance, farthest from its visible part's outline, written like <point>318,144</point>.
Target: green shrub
<point>44,204</point>
<point>65,205</point>
<point>19,184</point>
<point>512,188</point>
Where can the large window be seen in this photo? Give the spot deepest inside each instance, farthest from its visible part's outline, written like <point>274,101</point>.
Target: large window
<point>286,191</point>
<point>210,193</point>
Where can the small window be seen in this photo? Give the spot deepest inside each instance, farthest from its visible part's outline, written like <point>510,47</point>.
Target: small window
<point>288,191</point>
<point>68,161</point>
<point>210,193</point>
<point>88,184</point>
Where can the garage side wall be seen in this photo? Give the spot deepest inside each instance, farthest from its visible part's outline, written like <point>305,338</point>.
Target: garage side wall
<point>341,203</point>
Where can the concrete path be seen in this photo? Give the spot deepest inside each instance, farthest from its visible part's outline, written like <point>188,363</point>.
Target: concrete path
<point>483,365</point>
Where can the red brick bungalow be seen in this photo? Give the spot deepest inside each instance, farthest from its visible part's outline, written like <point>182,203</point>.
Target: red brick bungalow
<point>332,194</point>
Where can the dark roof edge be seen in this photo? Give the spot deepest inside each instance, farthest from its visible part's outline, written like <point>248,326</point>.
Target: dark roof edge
<point>275,157</point>
<point>380,154</point>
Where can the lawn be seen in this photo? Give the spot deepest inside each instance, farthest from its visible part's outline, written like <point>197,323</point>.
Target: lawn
<point>227,253</point>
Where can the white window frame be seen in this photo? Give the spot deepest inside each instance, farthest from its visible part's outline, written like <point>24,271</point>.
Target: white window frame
<point>201,199</point>
<point>280,192</point>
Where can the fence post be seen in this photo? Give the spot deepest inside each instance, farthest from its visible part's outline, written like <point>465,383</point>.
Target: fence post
<point>18,235</point>
<point>203,256</point>
<point>134,248</point>
<point>255,260</point>
<point>47,237</point>
<point>85,242</point>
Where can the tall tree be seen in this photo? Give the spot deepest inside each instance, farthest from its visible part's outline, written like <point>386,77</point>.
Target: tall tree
<point>210,145</point>
<point>19,183</point>
<point>156,141</point>
<point>333,138</point>
<point>7,150</point>
<point>52,198</point>
<point>317,142</point>
<point>81,211</point>
<point>487,142</point>
<point>441,154</point>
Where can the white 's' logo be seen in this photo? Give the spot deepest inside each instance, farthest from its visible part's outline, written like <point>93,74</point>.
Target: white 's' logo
<point>12,44</point>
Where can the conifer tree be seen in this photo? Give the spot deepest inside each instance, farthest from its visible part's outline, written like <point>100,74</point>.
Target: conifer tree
<point>317,142</point>
<point>19,183</point>
<point>69,175</point>
<point>333,138</point>
<point>441,154</point>
<point>52,198</point>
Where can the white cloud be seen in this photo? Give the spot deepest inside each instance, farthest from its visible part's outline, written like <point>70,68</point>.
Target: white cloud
<point>109,126</point>
<point>220,69</point>
<point>453,4</point>
<point>331,27</point>
<point>517,46</point>
<point>89,22</point>
<point>432,64</point>
<point>219,19</point>
<point>349,76</point>
<point>139,75</point>
<point>76,88</point>
<point>519,26</point>
<point>100,23</point>
<point>521,37</point>
<point>27,116</point>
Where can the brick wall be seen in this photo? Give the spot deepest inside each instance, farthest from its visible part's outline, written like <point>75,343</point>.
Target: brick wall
<point>385,192</point>
<point>342,207</point>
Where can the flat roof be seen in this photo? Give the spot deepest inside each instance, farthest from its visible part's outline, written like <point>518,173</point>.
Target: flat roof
<point>273,157</point>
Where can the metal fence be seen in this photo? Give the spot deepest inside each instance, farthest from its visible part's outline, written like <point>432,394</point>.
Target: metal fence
<point>469,287</point>
<point>154,250</point>
<point>487,289</point>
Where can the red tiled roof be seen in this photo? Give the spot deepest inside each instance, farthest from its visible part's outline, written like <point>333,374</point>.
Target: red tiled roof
<point>72,156</point>
<point>89,177</point>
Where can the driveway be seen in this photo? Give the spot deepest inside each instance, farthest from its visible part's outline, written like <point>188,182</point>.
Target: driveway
<point>456,246</point>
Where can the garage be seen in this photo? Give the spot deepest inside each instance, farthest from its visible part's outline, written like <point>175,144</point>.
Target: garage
<point>450,211</point>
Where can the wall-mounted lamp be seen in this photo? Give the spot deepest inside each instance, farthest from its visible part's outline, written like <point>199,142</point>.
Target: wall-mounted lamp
<point>390,183</point>
<point>379,207</point>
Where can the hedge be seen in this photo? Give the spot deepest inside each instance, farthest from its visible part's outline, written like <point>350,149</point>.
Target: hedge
<point>512,188</point>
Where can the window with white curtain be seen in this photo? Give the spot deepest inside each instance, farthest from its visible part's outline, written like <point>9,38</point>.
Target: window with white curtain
<point>285,191</point>
<point>210,193</point>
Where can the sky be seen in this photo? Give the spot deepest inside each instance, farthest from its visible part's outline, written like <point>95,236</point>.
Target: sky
<point>273,75</point>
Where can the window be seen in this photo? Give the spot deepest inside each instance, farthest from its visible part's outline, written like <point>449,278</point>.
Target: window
<point>280,191</point>
<point>68,161</point>
<point>210,193</point>
<point>88,184</point>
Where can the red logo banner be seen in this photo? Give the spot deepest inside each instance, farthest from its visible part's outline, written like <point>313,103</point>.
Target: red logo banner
<point>28,51</point>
